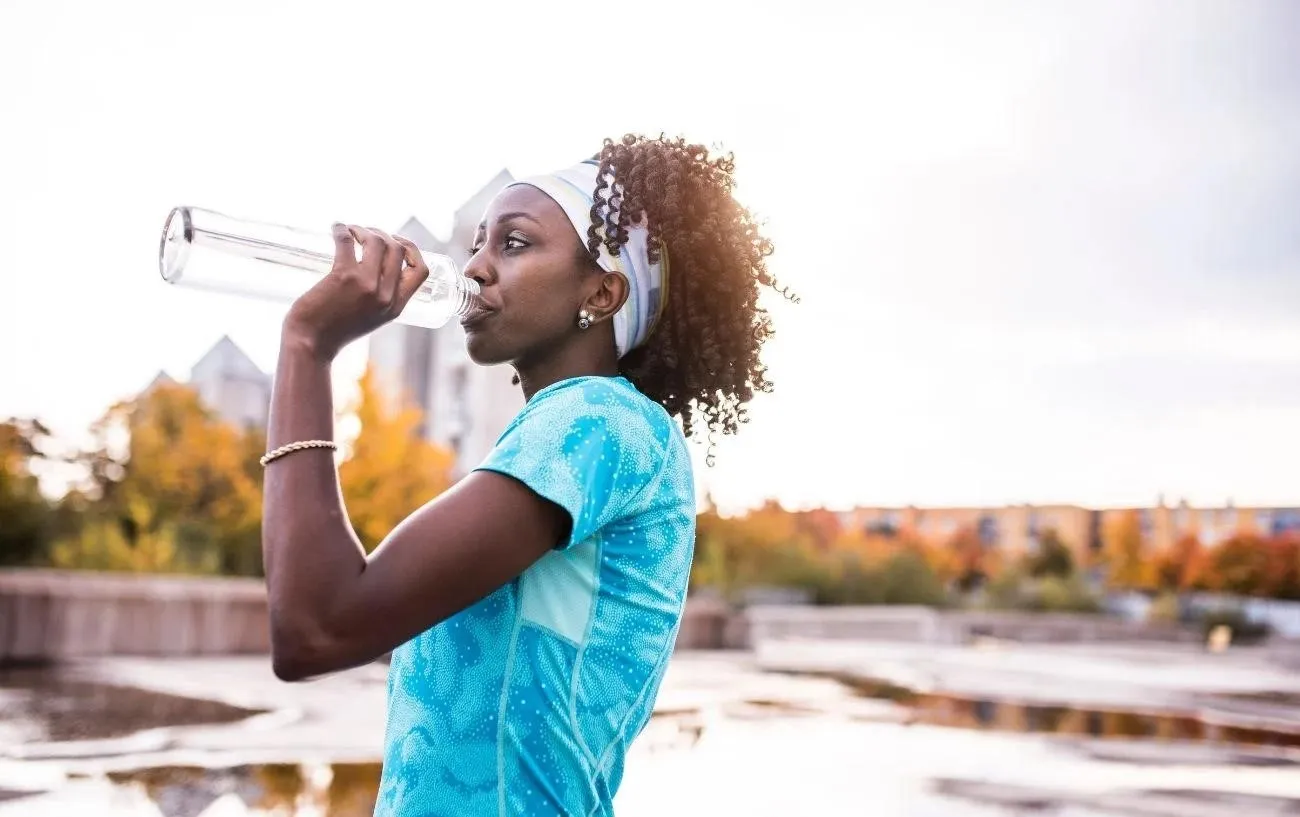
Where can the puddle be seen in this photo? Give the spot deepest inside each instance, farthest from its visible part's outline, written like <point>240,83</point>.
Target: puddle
<point>940,709</point>
<point>43,705</point>
<point>336,790</point>
<point>1135,803</point>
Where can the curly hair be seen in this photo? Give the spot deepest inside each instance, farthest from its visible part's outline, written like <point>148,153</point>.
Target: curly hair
<point>701,362</point>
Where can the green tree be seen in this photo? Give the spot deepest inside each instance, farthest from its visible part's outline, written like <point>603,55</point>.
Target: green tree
<point>25,514</point>
<point>181,489</point>
<point>908,579</point>
<point>1052,559</point>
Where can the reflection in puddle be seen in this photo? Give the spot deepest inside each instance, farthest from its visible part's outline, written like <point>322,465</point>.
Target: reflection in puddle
<point>939,709</point>
<point>51,708</point>
<point>44,705</point>
<point>280,789</point>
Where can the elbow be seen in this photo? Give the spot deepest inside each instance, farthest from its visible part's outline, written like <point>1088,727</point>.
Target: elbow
<point>289,666</point>
<point>299,654</point>
<point>288,670</point>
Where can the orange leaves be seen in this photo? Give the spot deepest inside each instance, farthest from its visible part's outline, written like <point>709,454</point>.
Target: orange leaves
<point>390,470</point>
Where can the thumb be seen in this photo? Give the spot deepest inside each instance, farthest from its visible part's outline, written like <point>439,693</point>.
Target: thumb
<point>345,252</point>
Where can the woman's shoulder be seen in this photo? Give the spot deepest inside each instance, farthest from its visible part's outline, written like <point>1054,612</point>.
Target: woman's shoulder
<point>613,403</point>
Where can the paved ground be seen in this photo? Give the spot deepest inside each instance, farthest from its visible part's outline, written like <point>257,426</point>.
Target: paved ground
<point>731,739</point>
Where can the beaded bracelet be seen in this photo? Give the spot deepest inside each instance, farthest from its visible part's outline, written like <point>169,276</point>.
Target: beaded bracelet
<point>292,447</point>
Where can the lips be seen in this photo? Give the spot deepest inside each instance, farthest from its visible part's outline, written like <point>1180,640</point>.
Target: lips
<point>476,315</point>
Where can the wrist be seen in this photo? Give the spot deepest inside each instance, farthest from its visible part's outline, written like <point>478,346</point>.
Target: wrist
<point>299,340</point>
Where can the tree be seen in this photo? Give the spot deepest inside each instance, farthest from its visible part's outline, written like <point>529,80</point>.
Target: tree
<point>100,544</point>
<point>25,514</point>
<point>390,471</point>
<point>1052,559</point>
<point>968,562</point>
<point>1124,553</point>
<point>174,485</point>
<point>907,579</point>
<point>1183,566</point>
<point>1282,573</point>
<point>1240,565</point>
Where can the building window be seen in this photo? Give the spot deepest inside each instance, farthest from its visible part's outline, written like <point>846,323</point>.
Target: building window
<point>1285,521</point>
<point>987,528</point>
<point>1209,528</point>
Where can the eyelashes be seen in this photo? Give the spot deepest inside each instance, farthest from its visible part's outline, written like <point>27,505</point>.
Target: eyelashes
<point>510,243</point>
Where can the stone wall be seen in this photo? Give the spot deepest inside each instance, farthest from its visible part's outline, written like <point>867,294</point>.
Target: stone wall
<point>926,625</point>
<point>49,615</point>
<point>53,615</point>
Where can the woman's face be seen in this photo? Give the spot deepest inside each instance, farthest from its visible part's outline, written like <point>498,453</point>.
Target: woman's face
<point>529,263</point>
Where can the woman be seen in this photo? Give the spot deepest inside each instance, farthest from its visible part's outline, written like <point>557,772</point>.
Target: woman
<point>532,608</point>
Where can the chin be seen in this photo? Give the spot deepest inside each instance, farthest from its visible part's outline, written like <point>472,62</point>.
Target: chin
<point>483,351</point>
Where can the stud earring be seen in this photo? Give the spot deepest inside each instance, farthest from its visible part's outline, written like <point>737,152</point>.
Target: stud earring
<point>584,319</point>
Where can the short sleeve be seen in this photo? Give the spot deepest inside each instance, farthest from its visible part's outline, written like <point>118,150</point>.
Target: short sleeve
<point>590,447</point>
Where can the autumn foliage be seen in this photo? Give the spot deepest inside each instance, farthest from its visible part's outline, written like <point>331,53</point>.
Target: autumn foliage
<point>171,488</point>
<point>389,472</point>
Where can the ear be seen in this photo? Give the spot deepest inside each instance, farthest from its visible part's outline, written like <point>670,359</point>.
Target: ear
<point>608,297</point>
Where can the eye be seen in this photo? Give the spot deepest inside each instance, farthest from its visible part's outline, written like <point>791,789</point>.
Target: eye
<point>515,241</point>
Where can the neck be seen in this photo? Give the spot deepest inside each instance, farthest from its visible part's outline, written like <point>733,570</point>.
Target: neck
<point>575,360</point>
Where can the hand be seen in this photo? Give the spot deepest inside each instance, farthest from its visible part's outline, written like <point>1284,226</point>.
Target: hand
<point>356,297</point>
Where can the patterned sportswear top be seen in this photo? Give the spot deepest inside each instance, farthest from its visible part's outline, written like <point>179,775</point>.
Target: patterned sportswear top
<point>526,702</point>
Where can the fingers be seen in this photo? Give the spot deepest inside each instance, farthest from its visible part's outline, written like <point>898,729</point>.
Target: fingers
<point>372,250</point>
<point>390,267</point>
<point>415,274</point>
<point>345,246</point>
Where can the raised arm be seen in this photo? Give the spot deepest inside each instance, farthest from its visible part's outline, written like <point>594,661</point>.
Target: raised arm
<point>331,607</point>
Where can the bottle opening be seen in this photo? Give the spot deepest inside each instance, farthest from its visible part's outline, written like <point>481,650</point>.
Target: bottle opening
<point>174,249</point>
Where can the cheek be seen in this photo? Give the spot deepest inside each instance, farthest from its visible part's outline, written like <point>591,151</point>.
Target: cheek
<point>540,306</point>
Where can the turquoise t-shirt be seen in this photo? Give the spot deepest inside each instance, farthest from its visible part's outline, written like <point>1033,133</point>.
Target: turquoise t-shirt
<point>526,702</point>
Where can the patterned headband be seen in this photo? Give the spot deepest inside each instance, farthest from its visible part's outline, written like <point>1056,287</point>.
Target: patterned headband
<point>574,189</point>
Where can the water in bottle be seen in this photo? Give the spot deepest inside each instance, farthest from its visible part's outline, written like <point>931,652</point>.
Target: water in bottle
<point>202,249</point>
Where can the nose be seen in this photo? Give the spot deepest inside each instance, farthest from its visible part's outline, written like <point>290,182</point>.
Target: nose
<point>478,269</point>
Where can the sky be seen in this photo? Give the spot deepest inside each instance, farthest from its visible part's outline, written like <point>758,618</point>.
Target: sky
<point>1047,251</point>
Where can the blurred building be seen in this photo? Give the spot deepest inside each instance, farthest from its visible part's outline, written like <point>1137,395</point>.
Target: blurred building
<point>1013,529</point>
<point>465,407</point>
<point>229,384</point>
<point>1018,529</point>
<point>1163,525</point>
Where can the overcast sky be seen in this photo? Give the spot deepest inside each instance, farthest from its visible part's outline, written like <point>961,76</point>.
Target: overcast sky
<point>1048,251</point>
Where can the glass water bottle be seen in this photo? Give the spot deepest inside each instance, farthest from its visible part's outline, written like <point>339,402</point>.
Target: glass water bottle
<point>202,249</point>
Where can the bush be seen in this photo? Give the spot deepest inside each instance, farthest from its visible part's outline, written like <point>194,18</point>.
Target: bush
<point>1013,590</point>
<point>908,579</point>
<point>903,578</point>
<point>1006,591</point>
<point>1058,595</point>
<point>1165,609</point>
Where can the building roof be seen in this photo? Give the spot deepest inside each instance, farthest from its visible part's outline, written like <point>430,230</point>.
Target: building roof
<point>226,358</point>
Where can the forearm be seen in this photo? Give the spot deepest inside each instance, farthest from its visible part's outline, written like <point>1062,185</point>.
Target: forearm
<point>310,552</point>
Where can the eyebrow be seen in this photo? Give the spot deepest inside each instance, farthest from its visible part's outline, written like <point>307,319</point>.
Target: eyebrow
<point>504,217</point>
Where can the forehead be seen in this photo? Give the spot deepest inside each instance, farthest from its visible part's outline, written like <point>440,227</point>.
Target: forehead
<point>526,199</point>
